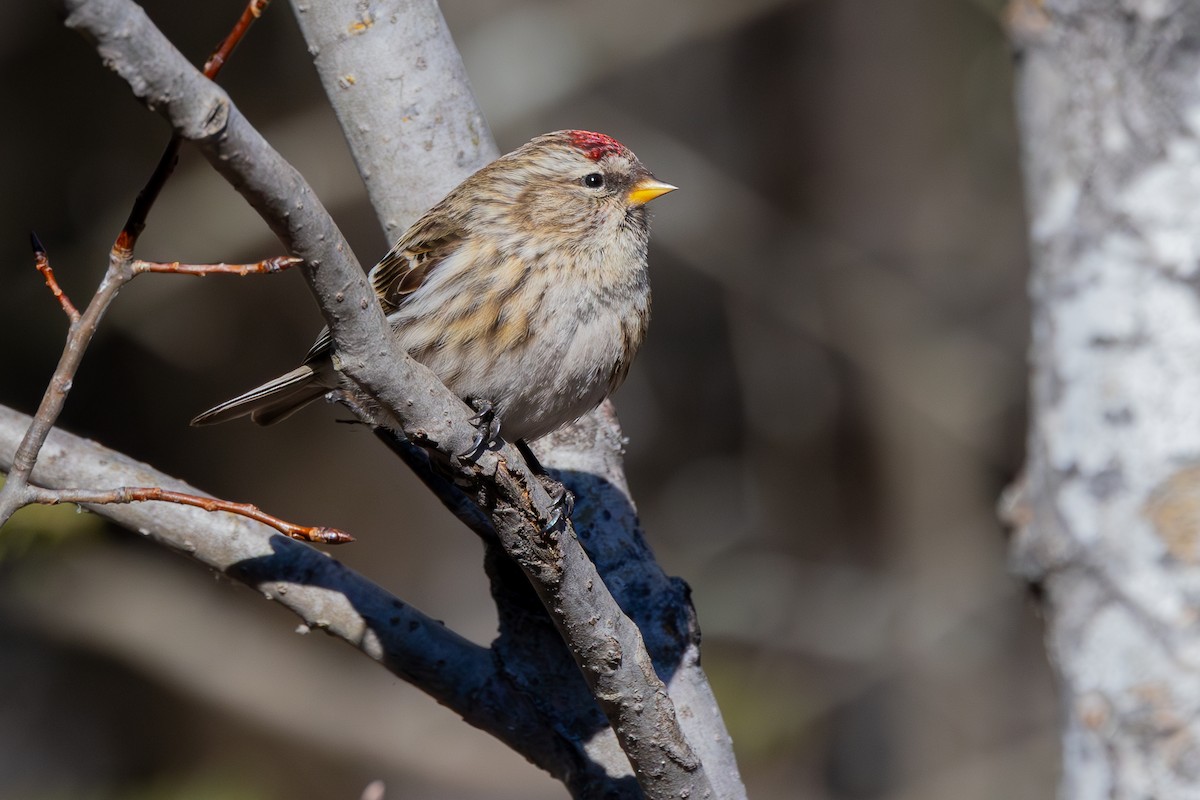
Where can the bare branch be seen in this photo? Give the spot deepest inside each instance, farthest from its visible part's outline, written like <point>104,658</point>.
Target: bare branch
<point>83,328</point>
<point>142,494</point>
<point>254,9</point>
<point>400,90</point>
<point>136,222</point>
<point>267,267</point>
<point>42,262</point>
<point>325,594</point>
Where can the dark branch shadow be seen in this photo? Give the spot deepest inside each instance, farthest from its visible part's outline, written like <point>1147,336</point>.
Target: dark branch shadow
<point>526,689</point>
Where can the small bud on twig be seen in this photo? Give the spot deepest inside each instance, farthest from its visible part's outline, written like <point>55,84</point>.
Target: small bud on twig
<point>42,262</point>
<point>267,267</point>
<point>141,494</point>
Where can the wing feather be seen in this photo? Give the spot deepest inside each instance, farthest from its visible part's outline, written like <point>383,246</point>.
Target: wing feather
<point>427,244</point>
<point>404,268</point>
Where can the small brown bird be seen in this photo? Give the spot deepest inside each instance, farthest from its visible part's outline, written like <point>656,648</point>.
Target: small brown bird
<point>525,290</point>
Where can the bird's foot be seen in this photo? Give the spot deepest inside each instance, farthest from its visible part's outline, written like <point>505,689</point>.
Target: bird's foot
<point>562,499</point>
<point>562,502</point>
<point>487,428</point>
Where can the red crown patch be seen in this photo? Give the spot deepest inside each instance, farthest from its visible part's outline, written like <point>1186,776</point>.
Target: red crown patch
<point>596,145</point>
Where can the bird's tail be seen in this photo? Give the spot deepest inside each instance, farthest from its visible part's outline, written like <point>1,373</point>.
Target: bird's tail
<point>273,401</point>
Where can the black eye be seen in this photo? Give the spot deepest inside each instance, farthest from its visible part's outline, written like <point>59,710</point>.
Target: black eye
<point>594,180</point>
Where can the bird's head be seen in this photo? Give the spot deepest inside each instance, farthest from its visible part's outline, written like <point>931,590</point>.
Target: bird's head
<point>580,184</point>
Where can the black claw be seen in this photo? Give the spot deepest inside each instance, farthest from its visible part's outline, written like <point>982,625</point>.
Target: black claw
<point>475,448</point>
<point>38,248</point>
<point>562,507</point>
<point>564,500</point>
<point>485,411</point>
<point>552,522</point>
<point>487,428</point>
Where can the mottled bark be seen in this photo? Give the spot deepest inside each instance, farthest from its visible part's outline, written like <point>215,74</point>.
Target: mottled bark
<point>1108,516</point>
<point>399,88</point>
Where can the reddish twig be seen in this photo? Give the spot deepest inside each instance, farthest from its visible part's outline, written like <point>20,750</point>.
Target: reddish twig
<point>136,222</point>
<point>42,261</point>
<point>267,267</point>
<point>143,494</point>
<point>253,11</point>
<point>79,335</point>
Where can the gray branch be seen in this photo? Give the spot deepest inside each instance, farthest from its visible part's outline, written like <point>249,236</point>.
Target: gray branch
<point>327,595</point>
<point>603,641</point>
<point>399,88</point>
<point>1107,517</point>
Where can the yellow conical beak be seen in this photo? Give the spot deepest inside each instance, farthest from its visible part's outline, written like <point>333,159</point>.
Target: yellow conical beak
<point>646,190</point>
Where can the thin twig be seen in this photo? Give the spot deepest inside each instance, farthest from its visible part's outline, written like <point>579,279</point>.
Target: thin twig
<point>268,267</point>
<point>79,336</point>
<point>42,262</point>
<point>216,61</point>
<point>136,222</point>
<point>141,494</point>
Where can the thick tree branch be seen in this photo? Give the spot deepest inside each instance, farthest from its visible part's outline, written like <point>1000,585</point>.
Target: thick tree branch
<point>399,87</point>
<point>425,132</point>
<point>325,594</point>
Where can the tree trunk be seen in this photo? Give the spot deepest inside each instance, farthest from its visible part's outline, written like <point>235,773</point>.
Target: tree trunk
<point>1109,103</point>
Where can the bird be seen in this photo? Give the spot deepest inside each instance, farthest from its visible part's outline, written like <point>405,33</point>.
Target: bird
<point>525,290</point>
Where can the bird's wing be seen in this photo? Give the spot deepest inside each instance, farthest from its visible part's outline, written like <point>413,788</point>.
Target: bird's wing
<point>424,246</point>
<point>405,267</point>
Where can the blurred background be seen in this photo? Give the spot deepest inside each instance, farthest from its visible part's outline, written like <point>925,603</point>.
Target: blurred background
<point>830,402</point>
